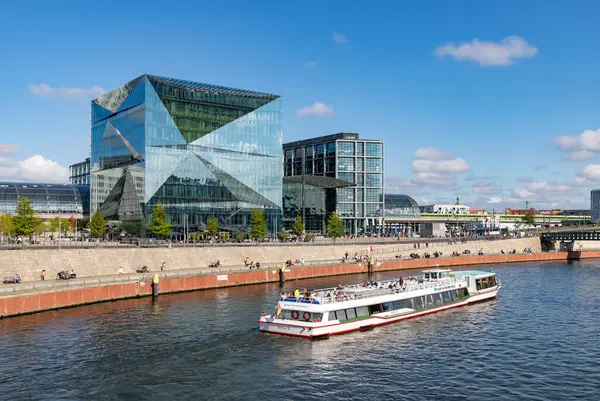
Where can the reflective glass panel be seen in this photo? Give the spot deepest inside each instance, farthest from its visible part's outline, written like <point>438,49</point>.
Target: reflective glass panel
<point>360,164</point>
<point>320,150</point>
<point>374,164</point>
<point>345,163</point>
<point>374,195</point>
<point>374,149</point>
<point>346,176</point>
<point>360,148</point>
<point>331,149</point>
<point>345,148</point>
<point>345,194</point>
<point>374,180</point>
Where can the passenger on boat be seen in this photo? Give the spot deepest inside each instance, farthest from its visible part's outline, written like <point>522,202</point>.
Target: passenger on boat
<point>283,295</point>
<point>401,282</point>
<point>296,293</point>
<point>339,287</point>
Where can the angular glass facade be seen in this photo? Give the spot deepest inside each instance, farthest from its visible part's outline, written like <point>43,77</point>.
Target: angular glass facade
<point>199,150</point>
<point>346,157</point>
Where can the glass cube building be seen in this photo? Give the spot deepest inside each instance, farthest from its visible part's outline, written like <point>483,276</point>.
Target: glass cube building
<point>346,157</point>
<point>199,150</point>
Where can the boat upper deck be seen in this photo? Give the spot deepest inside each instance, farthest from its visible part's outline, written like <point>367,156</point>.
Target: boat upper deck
<point>371,290</point>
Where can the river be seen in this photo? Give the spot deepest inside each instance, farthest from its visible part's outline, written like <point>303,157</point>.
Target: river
<point>539,340</point>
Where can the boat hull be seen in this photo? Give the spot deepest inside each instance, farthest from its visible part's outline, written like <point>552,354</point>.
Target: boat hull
<point>318,330</point>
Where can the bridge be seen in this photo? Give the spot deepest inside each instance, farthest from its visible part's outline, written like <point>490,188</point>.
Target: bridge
<point>481,218</point>
<point>592,234</point>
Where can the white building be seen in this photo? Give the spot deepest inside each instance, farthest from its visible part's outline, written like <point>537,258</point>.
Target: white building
<point>595,204</point>
<point>445,209</point>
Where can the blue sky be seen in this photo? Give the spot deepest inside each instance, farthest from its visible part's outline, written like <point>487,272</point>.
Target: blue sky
<point>486,101</point>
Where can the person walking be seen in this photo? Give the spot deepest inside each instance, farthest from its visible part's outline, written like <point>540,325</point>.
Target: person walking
<point>43,275</point>
<point>163,266</point>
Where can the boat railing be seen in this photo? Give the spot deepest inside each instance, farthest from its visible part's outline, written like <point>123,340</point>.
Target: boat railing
<point>352,293</point>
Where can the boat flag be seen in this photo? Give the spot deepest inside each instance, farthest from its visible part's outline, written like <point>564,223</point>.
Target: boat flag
<point>278,311</point>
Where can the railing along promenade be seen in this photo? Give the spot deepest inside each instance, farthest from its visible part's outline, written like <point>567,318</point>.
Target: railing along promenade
<point>403,242</point>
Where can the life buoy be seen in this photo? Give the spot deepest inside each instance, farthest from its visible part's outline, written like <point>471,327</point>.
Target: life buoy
<point>306,316</point>
<point>295,315</point>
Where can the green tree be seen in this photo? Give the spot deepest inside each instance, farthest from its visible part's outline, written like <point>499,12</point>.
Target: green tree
<point>528,220</point>
<point>258,224</point>
<point>283,235</point>
<point>6,225</point>
<point>159,226</point>
<point>212,226</point>
<point>97,225</point>
<point>132,228</point>
<point>335,228</point>
<point>25,221</point>
<point>298,226</point>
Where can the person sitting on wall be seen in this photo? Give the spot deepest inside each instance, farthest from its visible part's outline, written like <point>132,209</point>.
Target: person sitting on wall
<point>258,265</point>
<point>120,270</point>
<point>246,261</point>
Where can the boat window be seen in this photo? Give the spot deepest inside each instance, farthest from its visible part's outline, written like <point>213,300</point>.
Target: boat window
<point>388,306</point>
<point>446,296</point>
<point>453,295</point>
<point>433,276</point>
<point>375,308</point>
<point>362,311</point>
<point>492,281</point>
<point>426,276</point>
<point>478,284</point>
<point>438,299</point>
<point>419,302</point>
<point>429,301</point>
<point>350,313</point>
<point>340,315</point>
<point>462,292</point>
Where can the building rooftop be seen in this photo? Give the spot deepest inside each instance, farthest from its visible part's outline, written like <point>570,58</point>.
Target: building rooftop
<point>351,136</point>
<point>400,201</point>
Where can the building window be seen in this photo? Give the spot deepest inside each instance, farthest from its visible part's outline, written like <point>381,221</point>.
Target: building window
<point>320,151</point>
<point>360,164</point>
<point>331,149</point>
<point>374,180</point>
<point>373,210</point>
<point>308,167</point>
<point>374,149</point>
<point>360,179</point>
<point>346,177</point>
<point>346,148</point>
<point>373,164</point>
<point>360,195</point>
<point>374,195</point>
<point>288,169</point>
<point>330,165</point>
<point>308,152</point>
<point>360,210</point>
<point>345,209</point>
<point>360,148</point>
<point>288,155</point>
<point>346,163</point>
<point>345,195</point>
<point>298,168</point>
<point>298,154</point>
<point>319,166</point>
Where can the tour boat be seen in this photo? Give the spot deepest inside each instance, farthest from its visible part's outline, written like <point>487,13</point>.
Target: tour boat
<point>325,312</point>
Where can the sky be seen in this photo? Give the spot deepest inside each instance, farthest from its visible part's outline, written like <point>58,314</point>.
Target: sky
<point>493,102</point>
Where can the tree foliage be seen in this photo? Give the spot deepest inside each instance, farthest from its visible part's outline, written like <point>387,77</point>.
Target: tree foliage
<point>298,226</point>
<point>283,235</point>
<point>335,228</point>
<point>132,228</point>
<point>6,225</point>
<point>258,224</point>
<point>212,226</point>
<point>97,225</point>
<point>528,220</point>
<point>159,225</point>
<point>25,221</point>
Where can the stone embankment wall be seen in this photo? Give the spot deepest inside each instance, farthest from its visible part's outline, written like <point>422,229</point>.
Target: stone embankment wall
<point>106,261</point>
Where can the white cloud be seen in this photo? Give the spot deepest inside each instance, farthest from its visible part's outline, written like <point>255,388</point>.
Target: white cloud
<point>579,156</point>
<point>45,90</point>
<point>579,148</point>
<point>431,179</point>
<point>494,200</point>
<point>311,64</point>
<point>486,187</point>
<point>33,169</point>
<point>590,172</point>
<point>441,166</point>
<point>339,38</point>
<point>501,53</point>
<point>522,193</point>
<point>431,153</point>
<point>317,109</point>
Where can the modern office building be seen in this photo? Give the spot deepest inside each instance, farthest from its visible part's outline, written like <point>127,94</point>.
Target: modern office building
<point>595,204</point>
<point>79,173</point>
<point>318,194</point>
<point>48,200</point>
<point>199,150</point>
<point>346,157</point>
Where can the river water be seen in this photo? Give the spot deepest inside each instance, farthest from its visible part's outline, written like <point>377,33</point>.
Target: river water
<point>539,340</point>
